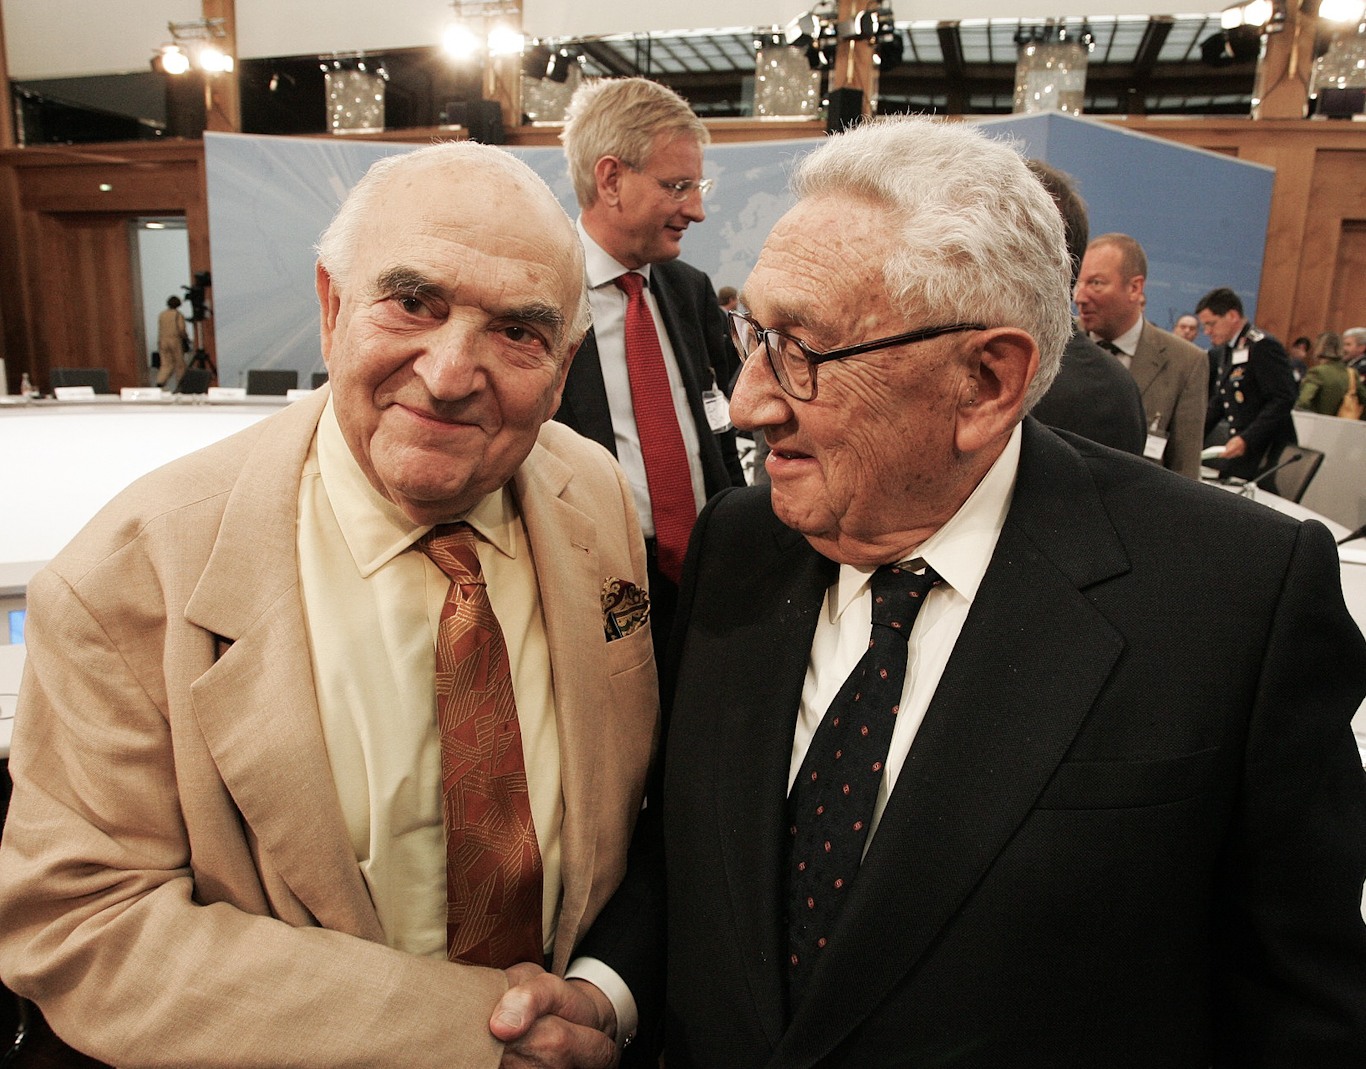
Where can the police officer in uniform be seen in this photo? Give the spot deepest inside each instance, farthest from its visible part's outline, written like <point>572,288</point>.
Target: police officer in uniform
<point>1254,388</point>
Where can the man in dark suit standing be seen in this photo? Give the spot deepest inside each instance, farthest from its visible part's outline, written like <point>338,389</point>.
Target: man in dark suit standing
<point>1093,394</point>
<point>1097,803</point>
<point>1253,389</point>
<point>1173,375</point>
<point>648,381</point>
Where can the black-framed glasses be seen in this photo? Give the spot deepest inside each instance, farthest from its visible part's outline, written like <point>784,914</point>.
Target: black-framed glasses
<point>679,191</point>
<point>794,362</point>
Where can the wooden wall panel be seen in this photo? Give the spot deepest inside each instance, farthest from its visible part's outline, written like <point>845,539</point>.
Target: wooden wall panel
<point>1347,306</point>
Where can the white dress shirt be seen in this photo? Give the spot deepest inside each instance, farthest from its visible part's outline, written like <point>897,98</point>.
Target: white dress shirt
<point>608,303</point>
<point>1126,343</point>
<point>960,552</point>
<point>372,603</point>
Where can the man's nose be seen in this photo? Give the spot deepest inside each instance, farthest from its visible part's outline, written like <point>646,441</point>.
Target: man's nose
<point>452,366</point>
<point>757,400</point>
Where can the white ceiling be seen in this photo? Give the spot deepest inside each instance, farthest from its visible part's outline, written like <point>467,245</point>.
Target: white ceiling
<point>72,38</point>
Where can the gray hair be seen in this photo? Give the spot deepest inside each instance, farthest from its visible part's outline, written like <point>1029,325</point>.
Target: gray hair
<point>339,242</point>
<point>977,237</point>
<point>1359,333</point>
<point>621,117</point>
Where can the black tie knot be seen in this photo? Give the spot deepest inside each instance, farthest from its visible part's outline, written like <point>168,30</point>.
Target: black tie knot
<point>898,593</point>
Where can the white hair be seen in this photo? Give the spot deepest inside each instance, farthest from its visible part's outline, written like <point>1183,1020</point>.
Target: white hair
<point>977,237</point>
<point>339,242</point>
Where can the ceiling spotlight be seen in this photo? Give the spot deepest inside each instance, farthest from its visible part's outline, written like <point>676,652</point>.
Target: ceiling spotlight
<point>214,60</point>
<point>459,41</point>
<point>560,65</point>
<point>1350,11</point>
<point>505,41</point>
<point>172,60</point>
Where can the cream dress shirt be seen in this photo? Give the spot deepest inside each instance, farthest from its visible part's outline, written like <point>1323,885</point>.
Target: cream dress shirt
<point>372,603</point>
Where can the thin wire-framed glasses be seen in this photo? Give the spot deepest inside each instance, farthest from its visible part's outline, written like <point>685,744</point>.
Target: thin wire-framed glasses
<point>679,191</point>
<point>794,362</point>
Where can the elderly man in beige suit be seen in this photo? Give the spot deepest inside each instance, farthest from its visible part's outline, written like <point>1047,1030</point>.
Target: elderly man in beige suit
<point>1172,374</point>
<point>226,845</point>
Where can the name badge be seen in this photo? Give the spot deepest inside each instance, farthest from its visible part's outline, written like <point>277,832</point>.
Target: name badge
<point>718,410</point>
<point>1240,356</point>
<point>1155,448</point>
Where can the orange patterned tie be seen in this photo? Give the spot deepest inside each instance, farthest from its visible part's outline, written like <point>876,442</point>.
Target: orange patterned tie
<point>493,865</point>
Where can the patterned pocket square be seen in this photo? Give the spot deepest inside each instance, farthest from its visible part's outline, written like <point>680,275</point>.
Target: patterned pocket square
<point>625,607</point>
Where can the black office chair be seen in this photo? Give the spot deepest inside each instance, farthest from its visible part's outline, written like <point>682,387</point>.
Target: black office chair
<point>319,377</point>
<point>273,381</point>
<point>95,377</point>
<point>1301,464</point>
<point>194,380</point>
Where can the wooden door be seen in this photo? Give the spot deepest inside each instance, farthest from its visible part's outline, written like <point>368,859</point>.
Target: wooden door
<point>86,298</point>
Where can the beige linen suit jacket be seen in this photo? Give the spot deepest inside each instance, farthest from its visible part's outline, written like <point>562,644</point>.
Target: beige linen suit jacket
<point>1173,377</point>
<point>176,882</point>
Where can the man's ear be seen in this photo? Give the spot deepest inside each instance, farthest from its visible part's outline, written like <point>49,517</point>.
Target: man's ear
<point>329,301</point>
<point>1003,364</point>
<point>608,173</point>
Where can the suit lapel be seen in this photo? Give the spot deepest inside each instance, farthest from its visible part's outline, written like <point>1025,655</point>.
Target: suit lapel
<point>256,706</point>
<point>1149,359</point>
<point>564,546</point>
<point>760,713</point>
<point>1030,661</point>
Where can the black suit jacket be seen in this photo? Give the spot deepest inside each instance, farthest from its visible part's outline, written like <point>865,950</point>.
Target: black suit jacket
<point>1131,831</point>
<point>1095,396</point>
<point>1256,397</point>
<point>701,342</point>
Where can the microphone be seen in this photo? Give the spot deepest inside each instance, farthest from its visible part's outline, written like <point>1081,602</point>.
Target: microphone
<point>1257,479</point>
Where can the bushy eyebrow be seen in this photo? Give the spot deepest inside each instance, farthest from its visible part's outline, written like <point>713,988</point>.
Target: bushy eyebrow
<point>408,280</point>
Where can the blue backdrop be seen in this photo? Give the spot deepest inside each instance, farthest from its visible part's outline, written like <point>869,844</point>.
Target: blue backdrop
<point>1201,217</point>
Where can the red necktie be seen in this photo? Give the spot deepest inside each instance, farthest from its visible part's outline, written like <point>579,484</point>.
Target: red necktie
<point>661,442</point>
<point>493,864</point>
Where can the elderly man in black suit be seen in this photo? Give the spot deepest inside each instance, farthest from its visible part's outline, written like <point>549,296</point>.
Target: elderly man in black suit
<point>649,380</point>
<point>1096,803</point>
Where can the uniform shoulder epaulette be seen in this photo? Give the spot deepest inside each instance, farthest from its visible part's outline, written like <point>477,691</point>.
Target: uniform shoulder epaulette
<point>1255,334</point>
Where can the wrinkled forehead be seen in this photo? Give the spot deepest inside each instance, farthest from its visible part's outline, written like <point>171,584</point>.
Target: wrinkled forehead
<point>824,247</point>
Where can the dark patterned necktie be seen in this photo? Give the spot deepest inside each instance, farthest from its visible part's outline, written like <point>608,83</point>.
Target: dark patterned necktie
<point>493,863</point>
<point>661,441</point>
<point>1111,347</point>
<point>832,800</point>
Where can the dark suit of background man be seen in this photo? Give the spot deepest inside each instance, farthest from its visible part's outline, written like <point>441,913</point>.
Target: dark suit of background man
<point>1121,819</point>
<point>1173,375</point>
<point>635,156</point>
<point>228,842</point>
<point>1093,394</point>
<point>1253,387</point>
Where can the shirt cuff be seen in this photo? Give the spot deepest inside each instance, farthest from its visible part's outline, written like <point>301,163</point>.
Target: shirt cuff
<point>605,979</point>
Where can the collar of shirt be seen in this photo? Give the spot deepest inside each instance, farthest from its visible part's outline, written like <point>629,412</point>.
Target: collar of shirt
<point>1126,343</point>
<point>960,550</point>
<point>376,530</point>
<point>599,267</point>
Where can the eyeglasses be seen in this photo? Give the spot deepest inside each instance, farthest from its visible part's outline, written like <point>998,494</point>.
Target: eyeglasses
<point>794,362</point>
<point>679,191</point>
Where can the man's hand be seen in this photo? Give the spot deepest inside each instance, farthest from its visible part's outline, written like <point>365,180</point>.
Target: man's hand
<point>549,1023</point>
<point>1235,447</point>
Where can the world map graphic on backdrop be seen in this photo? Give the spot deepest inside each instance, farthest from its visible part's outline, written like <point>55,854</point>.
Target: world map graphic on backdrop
<point>271,197</point>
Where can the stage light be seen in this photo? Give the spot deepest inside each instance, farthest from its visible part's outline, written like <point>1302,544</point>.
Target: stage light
<point>173,60</point>
<point>505,41</point>
<point>459,41</point>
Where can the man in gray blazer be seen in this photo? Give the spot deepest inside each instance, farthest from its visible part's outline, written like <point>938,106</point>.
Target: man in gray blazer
<point>1172,375</point>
